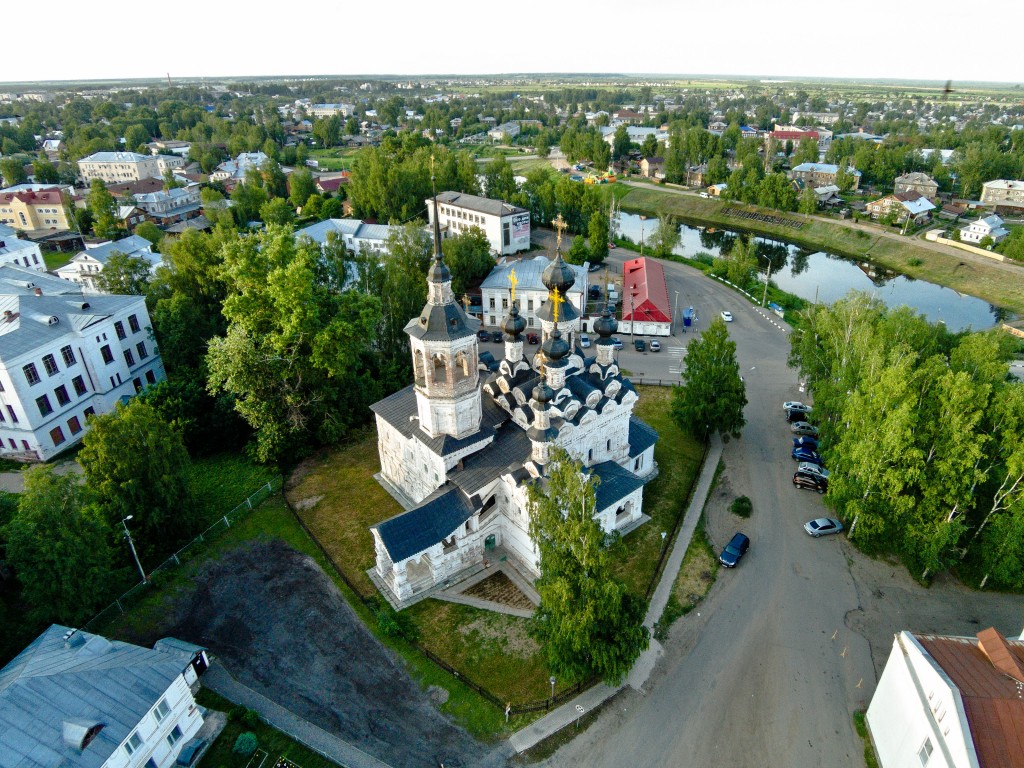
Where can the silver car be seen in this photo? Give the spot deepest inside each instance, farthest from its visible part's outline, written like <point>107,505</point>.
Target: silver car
<point>812,469</point>
<point>804,428</point>
<point>822,526</point>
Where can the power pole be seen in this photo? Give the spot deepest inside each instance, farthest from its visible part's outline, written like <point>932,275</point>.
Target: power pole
<point>764,298</point>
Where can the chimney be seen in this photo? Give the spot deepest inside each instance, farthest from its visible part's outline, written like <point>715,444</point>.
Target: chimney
<point>38,291</point>
<point>998,652</point>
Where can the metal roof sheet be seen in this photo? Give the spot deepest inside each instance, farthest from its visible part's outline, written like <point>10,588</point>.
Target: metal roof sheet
<point>479,204</point>
<point>434,519</point>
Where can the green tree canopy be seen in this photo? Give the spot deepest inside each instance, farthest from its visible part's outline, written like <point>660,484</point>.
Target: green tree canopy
<point>60,547</point>
<point>103,208</point>
<point>13,171</point>
<point>301,186</point>
<point>597,237</point>
<point>136,464</point>
<point>588,622</point>
<point>468,257</point>
<point>124,275</point>
<point>499,179</point>
<point>712,396</point>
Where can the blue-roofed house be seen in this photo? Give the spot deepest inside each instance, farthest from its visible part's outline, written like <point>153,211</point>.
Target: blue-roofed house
<point>821,174</point>
<point>72,699</point>
<point>358,236</point>
<point>530,290</point>
<point>461,445</point>
<point>86,265</point>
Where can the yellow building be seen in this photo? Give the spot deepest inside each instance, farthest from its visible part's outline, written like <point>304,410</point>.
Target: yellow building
<point>34,209</point>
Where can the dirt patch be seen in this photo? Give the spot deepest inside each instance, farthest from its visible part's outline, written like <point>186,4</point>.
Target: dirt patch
<point>309,503</point>
<point>499,588</point>
<point>281,627</point>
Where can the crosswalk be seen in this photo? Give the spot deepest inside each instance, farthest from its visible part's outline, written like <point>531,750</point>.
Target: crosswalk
<point>677,365</point>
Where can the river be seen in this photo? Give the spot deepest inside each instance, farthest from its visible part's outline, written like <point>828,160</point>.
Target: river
<point>825,277</point>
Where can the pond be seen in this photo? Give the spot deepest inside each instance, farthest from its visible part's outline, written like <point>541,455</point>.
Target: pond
<point>825,277</point>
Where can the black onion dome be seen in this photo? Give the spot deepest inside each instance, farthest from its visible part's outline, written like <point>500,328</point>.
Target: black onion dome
<point>514,323</point>
<point>555,348</point>
<point>558,275</point>
<point>606,325</point>
<point>542,393</point>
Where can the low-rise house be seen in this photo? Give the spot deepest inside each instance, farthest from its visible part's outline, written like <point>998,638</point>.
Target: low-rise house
<point>912,205</point>
<point>627,117</point>
<point>716,190</point>
<point>235,170</point>
<point>653,167</point>
<point>918,182</point>
<point>784,133</point>
<point>357,236</point>
<point>64,358</point>
<point>821,174</point>
<point>130,216</point>
<point>85,266</point>
<point>77,700</point>
<point>695,175</point>
<point>1004,195</point>
<point>170,147</point>
<point>115,167</point>
<point>507,226</point>
<point>329,184</point>
<point>34,209</point>
<point>505,131</point>
<point>170,206</point>
<point>989,226</point>
<point>531,292</point>
<point>52,148</point>
<point>645,305</point>
<point>14,250</point>
<point>637,134</point>
<point>828,196</point>
<point>950,702</point>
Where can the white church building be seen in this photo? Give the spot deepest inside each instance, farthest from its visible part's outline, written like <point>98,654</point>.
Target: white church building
<point>459,447</point>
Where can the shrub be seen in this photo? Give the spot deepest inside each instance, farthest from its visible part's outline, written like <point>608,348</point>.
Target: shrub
<point>250,719</point>
<point>394,624</point>
<point>245,744</point>
<point>742,507</point>
<point>914,262</point>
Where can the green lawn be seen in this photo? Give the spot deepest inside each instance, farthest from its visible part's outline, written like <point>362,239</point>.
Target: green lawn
<point>337,159</point>
<point>275,743</point>
<point>696,576</point>
<point>224,480</point>
<point>905,255</point>
<point>56,259</point>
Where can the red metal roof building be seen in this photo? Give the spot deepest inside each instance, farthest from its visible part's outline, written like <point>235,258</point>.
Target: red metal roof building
<point>794,136</point>
<point>645,297</point>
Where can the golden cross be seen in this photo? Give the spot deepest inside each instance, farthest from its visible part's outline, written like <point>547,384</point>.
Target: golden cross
<point>465,301</point>
<point>556,300</point>
<point>513,281</point>
<point>560,225</point>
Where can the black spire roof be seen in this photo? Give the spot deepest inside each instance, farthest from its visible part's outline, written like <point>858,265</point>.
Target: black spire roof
<point>514,323</point>
<point>606,325</point>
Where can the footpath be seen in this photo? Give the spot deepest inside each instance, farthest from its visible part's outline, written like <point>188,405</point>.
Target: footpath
<point>568,713</point>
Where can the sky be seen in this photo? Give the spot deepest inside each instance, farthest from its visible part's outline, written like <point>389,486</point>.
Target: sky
<point>939,40</point>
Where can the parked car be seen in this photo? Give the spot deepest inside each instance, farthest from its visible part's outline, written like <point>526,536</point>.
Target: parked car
<point>655,345</point>
<point>617,343</point>
<point>806,442</point>
<point>612,246</point>
<point>594,292</point>
<point>496,337</point>
<point>584,341</point>
<point>734,550</point>
<point>822,526</point>
<point>812,469</point>
<point>804,428</point>
<point>191,752</point>
<point>810,481</point>
<point>806,454</point>
<point>705,195</point>
<point>796,405</point>
<point>532,338</point>
<point>593,268</point>
<point>483,335</point>
<point>639,345</point>
<point>793,416</point>
<point>727,315</point>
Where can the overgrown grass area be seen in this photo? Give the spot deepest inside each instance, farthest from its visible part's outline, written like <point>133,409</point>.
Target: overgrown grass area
<point>224,480</point>
<point>860,724</point>
<point>523,166</point>
<point>679,458</point>
<point>696,576</point>
<point>906,255</point>
<point>338,500</point>
<point>487,646</point>
<point>56,259</point>
<point>271,740</point>
<point>335,159</point>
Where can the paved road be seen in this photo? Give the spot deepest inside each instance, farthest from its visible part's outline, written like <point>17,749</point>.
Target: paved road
<point>756,679</point>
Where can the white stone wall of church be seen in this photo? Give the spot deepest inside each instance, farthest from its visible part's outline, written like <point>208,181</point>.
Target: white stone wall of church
<point>634,502</point>
<point>408,464</point>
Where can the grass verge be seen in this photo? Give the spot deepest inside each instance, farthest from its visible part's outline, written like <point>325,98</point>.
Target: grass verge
<point>905,255</point>
<point>861,726</point>
<point>275,743</point>
<point>224,480</point>
<point>695,579</point>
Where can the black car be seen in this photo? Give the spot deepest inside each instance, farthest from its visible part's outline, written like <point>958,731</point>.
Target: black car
<point>639,345</point>
<point>734,550</point>
<point>594,291</point>
<point>810,481</point>
<point>532,338</point>
<point>483,335</point>
<point>794,416</point>
<point>496,337</point>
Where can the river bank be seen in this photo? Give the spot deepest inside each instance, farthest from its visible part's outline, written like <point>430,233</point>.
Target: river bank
<point>1000,284</point>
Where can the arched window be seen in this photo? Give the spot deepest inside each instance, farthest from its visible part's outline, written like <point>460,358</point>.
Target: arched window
<point>440,372</point>
<point>419,367</point>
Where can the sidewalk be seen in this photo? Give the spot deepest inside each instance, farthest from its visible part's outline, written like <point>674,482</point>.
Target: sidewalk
<point>220,681</point>
<point>567,714</point>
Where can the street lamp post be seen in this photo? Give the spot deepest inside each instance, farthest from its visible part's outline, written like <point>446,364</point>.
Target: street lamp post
<point>552,681</point>
<point>131,545</point>
<point>675,311</point>
<point>632,316</point>
<point>764,298</point>
<point>642,220</point>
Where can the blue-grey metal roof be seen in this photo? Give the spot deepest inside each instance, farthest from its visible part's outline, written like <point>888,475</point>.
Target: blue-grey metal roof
<point>528,275</point>
<point>115,157</point>
<point>6,231</point>
<point>478,204</point>
<point>434,519</point>
<point>510,449</point>
<point>31,326</point>
<point>347,227</point>
<point>133,245</point>
<point>85,679</point>
<point>19,280</point>
<point>616,484</point>
<point>641,437</point>
<point>824,168</point>
<point>399,410</point>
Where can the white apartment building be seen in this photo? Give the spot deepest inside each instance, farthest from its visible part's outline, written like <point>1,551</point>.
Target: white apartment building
<point>78,700</point>
<point>86,265</point>
<point>329,110</point>
<point>64,358</point>
<point>119,167</point>
<point>506,226</point>
<point>358,236</point>
<point>531,293</point>
<point>22,253</point>
<point>237,168</point>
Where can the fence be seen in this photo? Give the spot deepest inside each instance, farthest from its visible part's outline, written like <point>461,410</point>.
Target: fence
<point>127,599</point>
<point>765,218</point>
